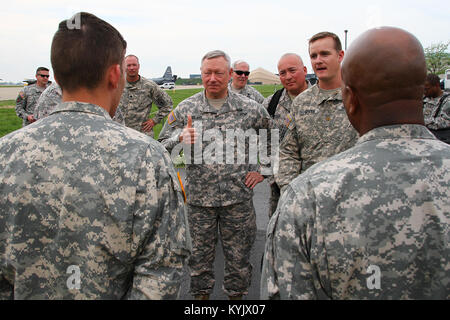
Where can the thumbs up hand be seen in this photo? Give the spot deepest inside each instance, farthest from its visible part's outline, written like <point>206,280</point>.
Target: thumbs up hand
<point>189,134</point>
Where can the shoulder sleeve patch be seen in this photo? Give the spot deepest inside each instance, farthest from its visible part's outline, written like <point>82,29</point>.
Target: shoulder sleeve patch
<point>171,118</point>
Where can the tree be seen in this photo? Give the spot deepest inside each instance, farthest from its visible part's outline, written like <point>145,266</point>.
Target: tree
<point>437,58</point>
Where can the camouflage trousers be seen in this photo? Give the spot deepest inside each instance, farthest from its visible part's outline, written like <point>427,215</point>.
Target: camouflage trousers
<point>236,227</point>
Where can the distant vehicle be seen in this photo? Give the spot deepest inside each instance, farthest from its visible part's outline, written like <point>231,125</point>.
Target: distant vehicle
<point>167,85</point>
<point>447,80</point>
<point>312,78</point>
<point>167,77</point>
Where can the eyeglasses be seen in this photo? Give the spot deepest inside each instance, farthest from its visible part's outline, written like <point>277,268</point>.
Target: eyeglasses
<point>240,72</point>
<point>44,75</point>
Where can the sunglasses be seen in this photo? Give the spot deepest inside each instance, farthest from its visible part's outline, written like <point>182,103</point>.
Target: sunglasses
<point>240,72</point>
<point>44,75</point>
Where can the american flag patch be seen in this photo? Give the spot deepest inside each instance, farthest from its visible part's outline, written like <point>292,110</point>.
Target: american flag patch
<point>171,118</point>
<point>287,121</point>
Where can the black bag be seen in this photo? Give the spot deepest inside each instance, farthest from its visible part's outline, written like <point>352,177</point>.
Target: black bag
<point>442,134</point>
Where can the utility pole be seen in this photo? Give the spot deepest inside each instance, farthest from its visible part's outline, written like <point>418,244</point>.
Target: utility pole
<point>345,39</point>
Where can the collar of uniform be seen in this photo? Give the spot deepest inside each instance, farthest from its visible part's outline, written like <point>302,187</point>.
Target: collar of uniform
<point>432,100</point>
<point>34,85</point>
<point>76,106</point>
<point>241,91</point>
<point>134,85</point>
<point>229,105</point>
<point>285,100</point>
<point>406,131</point>
<point>326,95</point>
<point>48,84</point>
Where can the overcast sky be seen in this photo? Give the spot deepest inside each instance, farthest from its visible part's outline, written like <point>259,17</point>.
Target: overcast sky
<point>178,33</point>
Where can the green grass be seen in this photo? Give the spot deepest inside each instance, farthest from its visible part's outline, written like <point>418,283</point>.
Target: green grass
<point>268,89</point>
<point>10,122</point>
<point>6,103</point>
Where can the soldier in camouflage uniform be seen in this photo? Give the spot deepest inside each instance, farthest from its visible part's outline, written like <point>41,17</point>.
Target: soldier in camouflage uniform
<point>47,102</point>
<point>371,222</point>
<point>319,127</point>
<point>90,209</point>
<point>27,99</point>
<point>292,75</point>
<point>219,193</point>
<point>436,108</point>
<point>239,81</point>
<point>137,98</point>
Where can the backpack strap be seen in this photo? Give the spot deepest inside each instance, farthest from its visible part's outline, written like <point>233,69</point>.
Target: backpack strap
<point>274,102</point>
<point>441,102</point>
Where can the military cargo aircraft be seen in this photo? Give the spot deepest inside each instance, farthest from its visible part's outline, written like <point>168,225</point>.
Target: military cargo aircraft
<point>167,77</point>
<point>29,82</point>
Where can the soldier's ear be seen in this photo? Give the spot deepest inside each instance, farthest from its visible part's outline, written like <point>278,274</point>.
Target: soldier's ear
<point>341,55</point>
<point>351,101</point>
<point>113,76</point>
<point>352,106</point>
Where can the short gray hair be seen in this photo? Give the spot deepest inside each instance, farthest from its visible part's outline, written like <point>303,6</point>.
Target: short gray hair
<point>132,55</point>
<point>216,54</point>
<point>239,62</point>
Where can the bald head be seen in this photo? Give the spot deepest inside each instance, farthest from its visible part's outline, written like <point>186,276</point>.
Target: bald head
<point>294,56</point>
<point>292,73</point>
<point>384,72</point>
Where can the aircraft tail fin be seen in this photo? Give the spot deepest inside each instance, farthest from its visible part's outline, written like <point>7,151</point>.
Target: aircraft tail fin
<point>168,73</point>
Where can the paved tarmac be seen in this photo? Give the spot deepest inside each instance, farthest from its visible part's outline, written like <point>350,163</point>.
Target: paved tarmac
<point>9,93</point>
<point>261,197</point>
